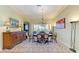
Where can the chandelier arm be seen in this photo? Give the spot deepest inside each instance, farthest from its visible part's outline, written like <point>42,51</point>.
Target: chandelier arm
<point>42,15</point>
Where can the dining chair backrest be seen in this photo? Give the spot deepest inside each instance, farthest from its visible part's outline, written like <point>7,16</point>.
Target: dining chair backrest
<point>38,36</point>
<point>54,35</point>
<point>45,36</point>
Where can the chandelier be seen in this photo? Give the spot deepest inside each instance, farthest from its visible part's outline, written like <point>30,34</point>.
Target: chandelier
<point>42,14</point>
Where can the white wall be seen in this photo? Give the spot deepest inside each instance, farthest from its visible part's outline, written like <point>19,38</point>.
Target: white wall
<point>64,35</point>
<point>5,13</point>
<point>2,29</point>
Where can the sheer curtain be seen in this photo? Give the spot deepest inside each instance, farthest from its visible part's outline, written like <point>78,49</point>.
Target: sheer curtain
<point>41,27</point>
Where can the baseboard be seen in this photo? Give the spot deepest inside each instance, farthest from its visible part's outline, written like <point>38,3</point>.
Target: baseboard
<point>64,44</point>
<point>73,50</point>
<point>1,49</point>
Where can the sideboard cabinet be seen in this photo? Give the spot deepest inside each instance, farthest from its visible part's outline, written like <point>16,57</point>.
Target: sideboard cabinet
<point>10,39</point>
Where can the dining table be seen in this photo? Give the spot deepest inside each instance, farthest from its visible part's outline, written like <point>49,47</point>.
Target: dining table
<point>44,37</point>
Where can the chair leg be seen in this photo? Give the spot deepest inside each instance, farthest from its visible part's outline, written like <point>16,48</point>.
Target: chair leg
<point>55,40</point>
<point>46,41</point>
<point>38,41</point>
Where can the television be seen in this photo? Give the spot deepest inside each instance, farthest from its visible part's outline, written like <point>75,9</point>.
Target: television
<point>60,24</point>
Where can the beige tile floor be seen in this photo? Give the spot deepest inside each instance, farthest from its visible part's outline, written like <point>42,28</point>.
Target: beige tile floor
<point>33,47</point>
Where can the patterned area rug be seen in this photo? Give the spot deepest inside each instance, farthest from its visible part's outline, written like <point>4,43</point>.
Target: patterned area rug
<point>33,47</point>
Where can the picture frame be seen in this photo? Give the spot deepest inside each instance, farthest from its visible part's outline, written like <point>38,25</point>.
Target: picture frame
<point>14,23</point>
<point>60,24</point>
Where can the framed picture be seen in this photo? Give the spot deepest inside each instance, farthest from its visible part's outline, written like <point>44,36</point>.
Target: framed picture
<point>26,27</point>
<point>14,23</point>
<point>60,24</point>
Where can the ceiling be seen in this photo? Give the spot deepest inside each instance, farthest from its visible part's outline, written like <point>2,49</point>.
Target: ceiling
<point>34,12</point>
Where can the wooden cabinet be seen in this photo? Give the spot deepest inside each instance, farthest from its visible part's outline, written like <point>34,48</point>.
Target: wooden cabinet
<point>10,39</point>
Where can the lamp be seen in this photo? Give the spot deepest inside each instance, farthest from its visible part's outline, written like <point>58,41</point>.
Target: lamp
<point>7,23</point>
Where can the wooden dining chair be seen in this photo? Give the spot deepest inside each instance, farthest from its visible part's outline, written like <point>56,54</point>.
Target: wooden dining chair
<point>50,37</point>
<point>45,38</point>
<point>39,38</point>
<point>54,37</point>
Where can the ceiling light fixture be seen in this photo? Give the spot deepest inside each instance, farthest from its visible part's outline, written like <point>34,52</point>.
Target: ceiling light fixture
<point>42,14</point>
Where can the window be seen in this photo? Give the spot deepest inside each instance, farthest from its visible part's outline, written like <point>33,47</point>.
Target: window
<point>41,27</point>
